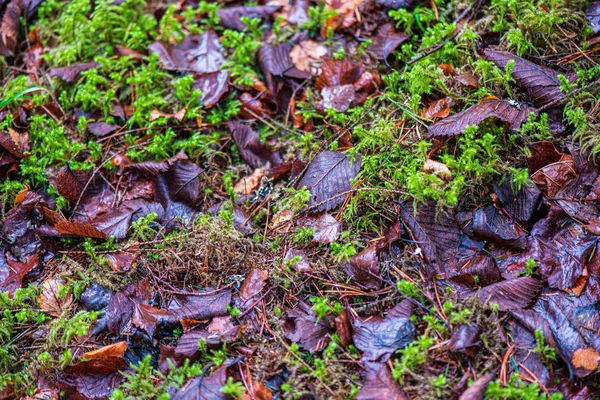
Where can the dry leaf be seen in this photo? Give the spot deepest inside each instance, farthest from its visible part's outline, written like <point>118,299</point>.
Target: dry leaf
<point>248,184</point>
<point>49,299</point>
<point>307,55</point>
<point>437,168</point>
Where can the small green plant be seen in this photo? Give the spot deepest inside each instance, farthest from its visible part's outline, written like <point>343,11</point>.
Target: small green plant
<point>234,389</point>
<point>546,352</point>
<point>516,389</point>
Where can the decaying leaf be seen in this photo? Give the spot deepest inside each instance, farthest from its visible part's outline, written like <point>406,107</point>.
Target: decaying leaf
<point>541,83</point>
<point>438,169</point>
<point>9,27</point>
<point>51,300</point>
<point>378,338</point>
<point>511,294</point>
<point>256,153</point>
<point>379,384</point>
<point>326,229</point>
<point>364,268</point>
<point>301,326</point>
<point>230,17</point>
<point>248,184</point>
<point>204,388</point>
<point>514,113</point>
<point>437,109</point>
<point>72,73</point>
<point>328,177</point>
<point>307,55</point>
<point>386,41</point>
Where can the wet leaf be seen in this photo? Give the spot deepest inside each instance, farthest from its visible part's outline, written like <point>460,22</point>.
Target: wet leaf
<point>253,285</point>
<point>254,152</point>
<point>301,326</point>
<point>511,294</point>
<point>386,41</point>
<point>72,73</point>
<point>301,266</point>
<point>213,86</point>
<point>553,177</point>
<point>230,16</point>
<point>508,111</point>
<point>201,305</point>
<point>122,260</point>
<point>50,301</point>
<point>15,143</point>
<point>343,327</point>
<point>477,390</point>
<point>276,60</point>
<point>328,177</point>
<point>197,53</point>
<point>248,184</point>
<point>364,268</point>
<point>379,337</point>
<point>12,271</point>
<point>9,27</point>
<point>542,154</point>
<point>180,183</point>
<point>592,14</point>
<point>120,307</point>
<point>491,225</point>
<point>379,384</point>
<point>396,4</point>
<point>466,339</point>
<point>519,204</point>
<point>541,83</point>
<point>101,129</point>
<point>204,387</point>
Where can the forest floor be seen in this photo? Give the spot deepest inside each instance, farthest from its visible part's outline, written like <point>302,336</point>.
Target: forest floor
<point>368,199</point>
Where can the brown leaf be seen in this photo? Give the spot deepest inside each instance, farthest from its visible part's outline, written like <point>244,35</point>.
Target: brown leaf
<point>437,109</point>
<point>72,73</point>
<point>542,154</point>
<point>155,167</point>
<point>15,143</point>
<point>378,338</point>
<point>213,86</point>
<point>592,14</point>
<point>229,17</point>
<point>307,55</point>
<point>521,204</point>
<point>386,41</point>
<point>197,53</point>
<point>256,153</point>
<point>466,339</point>
<point>551,178</point>
<point>541,83</point>
<point>253,285</point>
<point>101,129</point>
<point>122,261</point>
<point>276,60</point>
<point>301,326</point>
<point>493,226</point>
<point>12,271</point>
<point>116,350</point>
<point>379,384</point>
<point>9,27</point>
<point>508,111</point>
<point>248,184</point>
<point>477,390</point>
<point>301,266</point>
<point>438,169</point>
<point>201,305</point>
<point>586,358</point>
<point>364,268</point>
<point>204,388</point>
<point>328,177</point>
<point>512,294</point>
<point>50,301</point>
<point>180,183</point>
<point>121,306</point>
<point>338,73</point>
<point>343,327</point>
<point>66,227</point>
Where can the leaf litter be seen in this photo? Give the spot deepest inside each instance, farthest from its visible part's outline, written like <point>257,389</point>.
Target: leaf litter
<point>262,200</point>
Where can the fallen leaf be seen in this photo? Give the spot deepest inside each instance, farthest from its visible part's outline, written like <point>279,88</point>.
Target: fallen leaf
<point>592,14</point>
<point>254,152</point>
<point>586,358</point>
<point>101,129</point>
<point>301,326</point>
<point>229,17</point>
<point>248,184</point>
<point>379,384</point>
<point>511,294</point>
<point>364,268</point>
<point>180,183</point>
<point>12,271</point>
<point>276,60</point>
<point>122,261</point>
<point>9,27</point>
<point>437,109</point>
<point>493,226</point>
<point>213,86</point>
<point>328,177</point>
<point>438,169</point>
<point>542,154</point>
<point>179,115</point>
<point>302,265</point>
<point>466,339</point>
<point>204,388</point>
<point>198,53</point>
<point>541,83</point>
<point>343,327</point>
<point>326,229</point>
<point>120,307</point>
<point>253,285</point>
<point>508,111</point>
<point>307,55</point>
<point>15,143</point>
<point>378,338</point>
<point>519,204</point>
<point>478,388</point>
<point>50,301</point>
<point>386,41</point>
<point>72,73</point>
